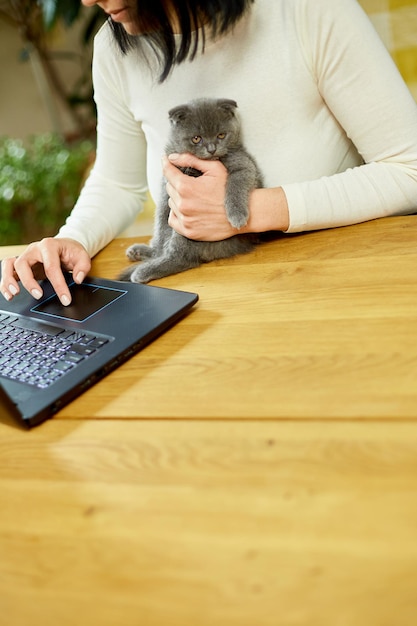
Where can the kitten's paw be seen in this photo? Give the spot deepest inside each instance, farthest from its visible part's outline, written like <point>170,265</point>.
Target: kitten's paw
<point>237,213</point>
<point>237,219</point>
<point>139,251</point>
<point>141,274</point>
<point>126,273</point>
<point>135,274</point>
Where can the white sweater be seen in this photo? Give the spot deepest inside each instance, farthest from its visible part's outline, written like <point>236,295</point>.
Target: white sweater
<point>323,109</point>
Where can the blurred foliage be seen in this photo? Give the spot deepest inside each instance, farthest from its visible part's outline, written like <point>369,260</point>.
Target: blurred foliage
<point>39,183</point>
<point>40,179</point>
<point>67,10</point>
<point>35,20</point>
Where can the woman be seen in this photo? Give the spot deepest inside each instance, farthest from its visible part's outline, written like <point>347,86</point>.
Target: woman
<point>323,109</point>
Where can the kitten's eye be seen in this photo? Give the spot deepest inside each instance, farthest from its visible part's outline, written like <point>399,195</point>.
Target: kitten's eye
<point>196,140</point>
<point>221,135</point>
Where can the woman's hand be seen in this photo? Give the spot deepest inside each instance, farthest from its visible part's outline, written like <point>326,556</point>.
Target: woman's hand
<point>197,204</point>
<point>53,254</point>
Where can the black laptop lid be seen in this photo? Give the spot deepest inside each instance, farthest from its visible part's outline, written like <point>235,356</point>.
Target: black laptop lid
<point>123,318</point>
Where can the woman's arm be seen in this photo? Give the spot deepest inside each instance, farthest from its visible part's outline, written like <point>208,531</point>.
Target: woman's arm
<point>116,189</point>
<point>361,86</point>
<point>197,204</point>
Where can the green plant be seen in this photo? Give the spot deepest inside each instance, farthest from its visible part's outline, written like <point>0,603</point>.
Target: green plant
<point>39,184</point>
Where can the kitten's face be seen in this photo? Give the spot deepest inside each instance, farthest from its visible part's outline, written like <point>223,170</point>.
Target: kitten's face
<point>206,128</point>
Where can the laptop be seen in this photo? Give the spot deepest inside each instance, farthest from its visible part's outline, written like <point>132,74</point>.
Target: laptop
<point>50,354</point>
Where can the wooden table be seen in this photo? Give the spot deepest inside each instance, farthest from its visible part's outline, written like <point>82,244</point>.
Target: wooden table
<point>255,466</point>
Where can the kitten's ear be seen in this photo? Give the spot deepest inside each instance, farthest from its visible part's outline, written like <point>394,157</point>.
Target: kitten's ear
<point>227,105</point>
<point>179,113</point>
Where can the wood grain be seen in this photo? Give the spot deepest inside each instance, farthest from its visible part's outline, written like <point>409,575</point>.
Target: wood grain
<point>255,466</point>
<point>208,523</point>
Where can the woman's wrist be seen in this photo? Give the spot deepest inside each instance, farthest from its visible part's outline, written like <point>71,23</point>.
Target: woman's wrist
<point>268,210</point>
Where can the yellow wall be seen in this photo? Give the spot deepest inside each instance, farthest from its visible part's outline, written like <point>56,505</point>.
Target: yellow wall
<point>396,22</point>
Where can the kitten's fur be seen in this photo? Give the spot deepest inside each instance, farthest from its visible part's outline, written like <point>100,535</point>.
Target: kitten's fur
<point>209,129</point>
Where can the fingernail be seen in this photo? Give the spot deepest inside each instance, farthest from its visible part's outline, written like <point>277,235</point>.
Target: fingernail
<point>12,290</point>
<point>7,296</point>
<point>36,293</point>
<point>173,157</point>
<point>65,300</point>
<point>80,277</point>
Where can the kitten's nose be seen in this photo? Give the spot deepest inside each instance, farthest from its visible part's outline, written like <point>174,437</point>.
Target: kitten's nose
<point>211,148</point>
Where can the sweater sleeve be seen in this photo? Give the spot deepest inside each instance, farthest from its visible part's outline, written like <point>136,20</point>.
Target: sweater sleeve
<point>116,188</point>
<point>362,87</point>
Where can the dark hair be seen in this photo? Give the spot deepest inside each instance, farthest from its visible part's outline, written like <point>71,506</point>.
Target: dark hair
<point>153,20</point>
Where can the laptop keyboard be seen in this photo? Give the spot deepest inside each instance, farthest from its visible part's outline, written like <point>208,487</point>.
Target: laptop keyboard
<point>40,354</point>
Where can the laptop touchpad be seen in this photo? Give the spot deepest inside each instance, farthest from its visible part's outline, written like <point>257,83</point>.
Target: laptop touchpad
<point>87,300</point>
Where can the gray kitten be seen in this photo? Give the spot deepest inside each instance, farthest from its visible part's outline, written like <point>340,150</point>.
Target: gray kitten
<point>209,129</point>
